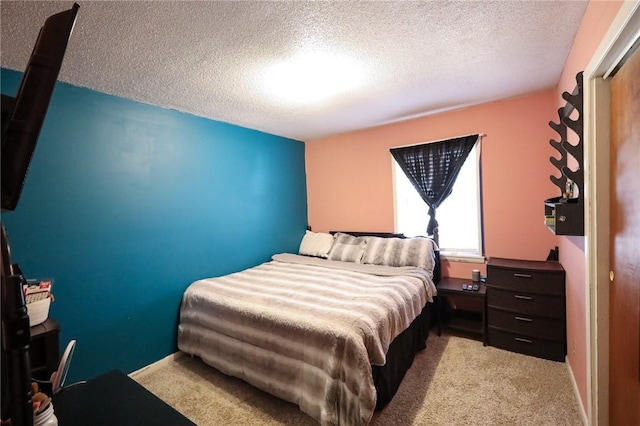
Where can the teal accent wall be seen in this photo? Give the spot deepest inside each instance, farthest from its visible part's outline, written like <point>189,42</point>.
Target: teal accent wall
<point>126,204</point>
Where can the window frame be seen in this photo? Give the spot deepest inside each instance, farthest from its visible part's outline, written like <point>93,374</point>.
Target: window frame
<point>478,257</point>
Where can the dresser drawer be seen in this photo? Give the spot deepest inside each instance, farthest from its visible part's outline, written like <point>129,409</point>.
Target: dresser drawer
<point>528,325</point>
<point>527,345</point>
<point>526,303</point>
<point>531,281</point>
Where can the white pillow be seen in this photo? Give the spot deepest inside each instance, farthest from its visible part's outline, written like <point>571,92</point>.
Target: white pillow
<point>347,248</point>
<point>400,252</point>
<point>316,244</point>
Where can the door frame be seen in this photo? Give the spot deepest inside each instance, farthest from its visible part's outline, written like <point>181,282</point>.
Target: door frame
<point>623,32</point>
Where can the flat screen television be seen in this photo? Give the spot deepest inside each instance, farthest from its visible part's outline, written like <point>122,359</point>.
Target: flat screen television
<point>22,116</point>
<point>22,119</point>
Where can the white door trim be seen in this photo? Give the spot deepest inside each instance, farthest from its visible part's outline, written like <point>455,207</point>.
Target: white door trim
<point>623,32</point>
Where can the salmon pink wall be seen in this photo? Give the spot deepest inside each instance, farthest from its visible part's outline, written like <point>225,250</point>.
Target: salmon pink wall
<point>350,185</point>
<point>349,182</point>
<point>595,23</point>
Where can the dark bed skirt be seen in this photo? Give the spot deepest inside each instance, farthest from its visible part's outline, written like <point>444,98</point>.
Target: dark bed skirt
<point>387,378</point>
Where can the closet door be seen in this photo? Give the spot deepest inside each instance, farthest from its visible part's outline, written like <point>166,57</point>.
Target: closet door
<point>624,349</point>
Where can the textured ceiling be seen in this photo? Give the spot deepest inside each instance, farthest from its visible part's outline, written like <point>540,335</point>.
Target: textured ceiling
<point>395,60</point>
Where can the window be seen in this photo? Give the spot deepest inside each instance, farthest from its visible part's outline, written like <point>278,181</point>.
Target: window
<point>459,217</point>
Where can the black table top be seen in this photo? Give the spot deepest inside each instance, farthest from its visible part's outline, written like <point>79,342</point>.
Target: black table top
<point>113,399</point>
<point>451,285</point>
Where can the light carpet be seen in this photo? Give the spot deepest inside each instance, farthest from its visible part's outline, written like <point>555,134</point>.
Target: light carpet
<point>455,381</point>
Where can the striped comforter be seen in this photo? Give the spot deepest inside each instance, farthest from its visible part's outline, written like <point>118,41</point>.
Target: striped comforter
<point>304,329</point>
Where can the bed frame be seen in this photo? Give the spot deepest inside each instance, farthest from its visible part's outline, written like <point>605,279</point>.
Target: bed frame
<point>387,378</point>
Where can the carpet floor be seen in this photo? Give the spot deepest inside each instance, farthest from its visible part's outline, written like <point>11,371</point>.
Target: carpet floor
<point>455,381</point>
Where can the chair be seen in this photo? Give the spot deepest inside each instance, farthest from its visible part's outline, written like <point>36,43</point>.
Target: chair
<point>58,377</point>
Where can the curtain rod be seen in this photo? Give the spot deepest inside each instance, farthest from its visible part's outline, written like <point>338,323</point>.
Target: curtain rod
<point>481,135</point>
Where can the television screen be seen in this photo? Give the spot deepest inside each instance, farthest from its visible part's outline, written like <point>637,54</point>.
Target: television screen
<point>22,116</point>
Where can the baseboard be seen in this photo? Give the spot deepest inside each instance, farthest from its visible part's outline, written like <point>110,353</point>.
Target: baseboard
<point>576,392</point>
<point>158,364</point>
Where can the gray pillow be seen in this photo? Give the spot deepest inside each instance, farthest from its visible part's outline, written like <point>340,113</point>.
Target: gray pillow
<point>347,248</point>
<point>400,252</point>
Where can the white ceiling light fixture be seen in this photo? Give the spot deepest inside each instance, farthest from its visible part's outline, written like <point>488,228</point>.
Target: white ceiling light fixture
<point>311,78</point>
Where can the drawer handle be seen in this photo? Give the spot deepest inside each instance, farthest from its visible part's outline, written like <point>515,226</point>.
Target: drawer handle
<point>520,339</point>
<point>517,275</point>
<point>524,319</point>
<point>517,296</point>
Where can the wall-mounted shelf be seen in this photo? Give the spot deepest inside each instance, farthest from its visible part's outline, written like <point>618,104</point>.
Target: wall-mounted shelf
<point>564,215</point>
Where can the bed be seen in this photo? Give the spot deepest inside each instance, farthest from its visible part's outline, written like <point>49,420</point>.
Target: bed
<point>332,329</point>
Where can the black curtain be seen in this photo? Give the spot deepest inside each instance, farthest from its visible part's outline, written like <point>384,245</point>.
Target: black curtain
<point>433,168</point>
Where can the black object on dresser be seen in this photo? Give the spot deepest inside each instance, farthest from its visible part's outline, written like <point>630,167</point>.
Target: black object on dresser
<point>526,307</point>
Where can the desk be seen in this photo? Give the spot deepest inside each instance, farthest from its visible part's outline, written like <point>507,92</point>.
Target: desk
<point>113,399</point>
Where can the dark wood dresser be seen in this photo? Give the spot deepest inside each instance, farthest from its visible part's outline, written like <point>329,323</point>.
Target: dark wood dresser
<point>526,307</point>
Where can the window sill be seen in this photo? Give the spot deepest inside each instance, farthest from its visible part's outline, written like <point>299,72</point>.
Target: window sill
<point>467,258</point>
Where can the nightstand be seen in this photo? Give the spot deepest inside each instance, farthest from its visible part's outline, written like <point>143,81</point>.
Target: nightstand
<point>464,310</point>
<point>44,349</point>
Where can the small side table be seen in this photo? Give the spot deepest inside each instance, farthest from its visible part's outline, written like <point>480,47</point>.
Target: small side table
<point>44,350</point>
<point>468,308</point>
